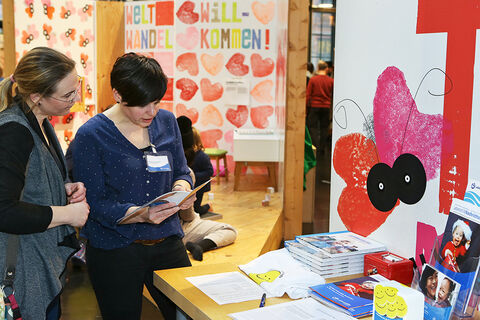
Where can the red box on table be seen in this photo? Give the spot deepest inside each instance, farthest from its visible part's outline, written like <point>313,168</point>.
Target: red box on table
<point>389,265</point>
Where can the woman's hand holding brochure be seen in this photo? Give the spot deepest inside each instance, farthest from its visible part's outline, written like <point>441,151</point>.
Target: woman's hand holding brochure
<point>156,209</point>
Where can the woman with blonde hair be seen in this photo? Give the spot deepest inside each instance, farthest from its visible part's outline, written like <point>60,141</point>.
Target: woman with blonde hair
<point>38,208</point>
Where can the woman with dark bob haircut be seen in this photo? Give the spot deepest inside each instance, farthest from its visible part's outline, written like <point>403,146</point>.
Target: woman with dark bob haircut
<point>127,156</point>
<point>38,207</point>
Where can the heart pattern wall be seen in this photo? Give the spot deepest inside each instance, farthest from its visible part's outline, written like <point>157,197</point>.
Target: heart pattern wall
<point>69,27</point>
<point>211,43</point>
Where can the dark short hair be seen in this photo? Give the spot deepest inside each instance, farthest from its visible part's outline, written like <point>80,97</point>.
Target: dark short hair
<point>428,272</point>
<point>138,79</point>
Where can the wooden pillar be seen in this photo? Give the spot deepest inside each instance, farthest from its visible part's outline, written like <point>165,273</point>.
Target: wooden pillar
<point>295,117</point>
<point>110,45</point>
<point>8,37</point>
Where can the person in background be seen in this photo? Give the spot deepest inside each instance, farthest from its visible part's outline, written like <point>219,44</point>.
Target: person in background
<point>36,202</point>
<point>197,160</point>
<point>319,104</point>
<point>204,235</point>
<point>127,156</point>
<point>330,69</point>
<point>200,235</point>
<point>310,71</point>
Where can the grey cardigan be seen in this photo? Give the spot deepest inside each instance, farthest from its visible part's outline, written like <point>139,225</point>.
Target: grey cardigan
<point>42,256</point>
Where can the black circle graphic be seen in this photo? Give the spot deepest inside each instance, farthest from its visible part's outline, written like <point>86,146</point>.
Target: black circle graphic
<point>381,187</point>
<point>410,178</point>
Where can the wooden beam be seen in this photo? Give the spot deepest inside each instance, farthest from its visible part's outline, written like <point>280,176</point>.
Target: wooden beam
<point>110,45</point>
<point>8,37</point>
<point>295,117</point>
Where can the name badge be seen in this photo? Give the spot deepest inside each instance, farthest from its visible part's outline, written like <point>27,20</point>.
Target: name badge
<point>157,163</point>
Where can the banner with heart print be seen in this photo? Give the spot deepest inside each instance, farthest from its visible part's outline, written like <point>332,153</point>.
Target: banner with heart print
<point>404,118</point>
<point>69,27</point>
<point>204,45</point>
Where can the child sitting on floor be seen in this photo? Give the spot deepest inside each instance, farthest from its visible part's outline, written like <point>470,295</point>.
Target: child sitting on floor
<point>204,235</point>
<point>200,235</point>
<point>197,160</point>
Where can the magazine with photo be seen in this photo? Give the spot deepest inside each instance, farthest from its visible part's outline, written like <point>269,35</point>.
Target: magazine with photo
<point>458,255</point>
<point>440,292</point>
<point>353,296</point>
<point>341,244</point>
<point>317,256</point>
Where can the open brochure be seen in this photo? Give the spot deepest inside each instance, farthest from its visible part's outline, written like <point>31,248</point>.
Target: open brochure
<point>177,197</point>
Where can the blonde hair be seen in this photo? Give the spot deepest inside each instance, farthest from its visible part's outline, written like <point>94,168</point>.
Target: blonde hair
<point>321,65</point>
<point>197,140</point>
<point>38,71</point>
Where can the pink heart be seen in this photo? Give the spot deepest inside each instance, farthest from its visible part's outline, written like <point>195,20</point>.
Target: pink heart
<point>212,64</point>
<point>187,61</point>
<point>422,136</point>
<point>211,115</point>
<point>259,116</point>
<point>237,117</point>
<point>261,67</point>
<point>263,12</point>
<point>191,113</point>
<point>210,137</point>
<point>261,92</point>
<point>189,39</point>
<point>210,92</point>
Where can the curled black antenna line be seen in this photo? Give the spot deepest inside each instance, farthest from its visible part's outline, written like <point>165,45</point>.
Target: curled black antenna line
<point>335,109</point>
<point>429,92</point>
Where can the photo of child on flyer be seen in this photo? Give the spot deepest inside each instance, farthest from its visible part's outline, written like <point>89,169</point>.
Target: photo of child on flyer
<point>440,293</point>
<point>460,244</point>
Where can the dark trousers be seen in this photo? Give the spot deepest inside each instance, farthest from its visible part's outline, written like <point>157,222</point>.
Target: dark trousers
<point>318,121</point>
<point>197,205</point>
<point>118,276</point>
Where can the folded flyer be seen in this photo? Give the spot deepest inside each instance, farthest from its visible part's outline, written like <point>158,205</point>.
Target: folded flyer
<point>177,197</point>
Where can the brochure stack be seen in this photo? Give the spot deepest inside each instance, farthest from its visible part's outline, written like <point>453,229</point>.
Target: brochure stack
<point>333,254</point>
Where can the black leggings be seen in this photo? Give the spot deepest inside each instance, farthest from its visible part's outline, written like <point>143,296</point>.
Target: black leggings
<point>118,276</point>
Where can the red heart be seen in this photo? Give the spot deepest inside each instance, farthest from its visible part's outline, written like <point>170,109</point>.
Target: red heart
<point>191,113</point>
<point>169,93</point>
<point>235,65</point>
<point>261,67</point>
<point>237,117</point>
<point>353,157</point>
<point>210,137</point>
<point>188,61</point>
<point>188,87</point>
<point>259,116</point>
<point>186,14</point>
<point>210,92</point>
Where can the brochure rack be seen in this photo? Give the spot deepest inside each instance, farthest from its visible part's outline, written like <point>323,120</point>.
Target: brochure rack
<point>469,295</point>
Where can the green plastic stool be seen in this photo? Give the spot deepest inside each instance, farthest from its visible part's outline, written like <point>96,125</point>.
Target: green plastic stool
<point>218,154</point>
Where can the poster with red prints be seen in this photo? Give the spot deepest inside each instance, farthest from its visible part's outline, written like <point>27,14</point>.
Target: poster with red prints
<point>405,118</point>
